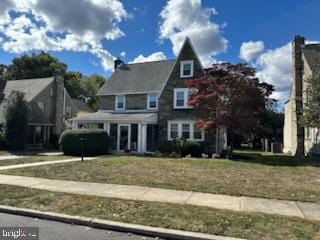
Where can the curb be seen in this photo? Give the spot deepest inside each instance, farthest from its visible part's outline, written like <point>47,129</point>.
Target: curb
<point>113,226</point>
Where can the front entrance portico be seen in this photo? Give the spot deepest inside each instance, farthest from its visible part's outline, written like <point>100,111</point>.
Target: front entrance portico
<point>127,131</point>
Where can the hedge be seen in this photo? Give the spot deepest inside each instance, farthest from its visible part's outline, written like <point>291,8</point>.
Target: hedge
<point>96,142</point>
<point>181,146</point>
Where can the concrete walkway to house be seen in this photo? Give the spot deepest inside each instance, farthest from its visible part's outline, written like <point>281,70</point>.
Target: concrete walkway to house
<point>310,211</point>
<point>23,165</point>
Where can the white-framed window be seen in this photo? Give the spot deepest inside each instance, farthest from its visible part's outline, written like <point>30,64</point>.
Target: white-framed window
<point>173,133</point>
<point>180,98</point>
<point>186,69</point>
<point>120,102</point>
<point>184,129</point>
<point>152,101</point>
<point>68,111</point>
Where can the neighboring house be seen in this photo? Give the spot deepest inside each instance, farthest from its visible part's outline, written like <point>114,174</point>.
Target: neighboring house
<point>144,103</point>
<point>50,106</point>
<point>304,58</point>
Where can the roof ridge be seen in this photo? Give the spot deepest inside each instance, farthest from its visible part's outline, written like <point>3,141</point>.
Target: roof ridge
<point>166,60</point>
<point>28,79</point>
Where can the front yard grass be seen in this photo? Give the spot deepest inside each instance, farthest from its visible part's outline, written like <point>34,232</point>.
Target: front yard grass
<point>31,159</point>
<point>254,174</point>
<point>190,218</point>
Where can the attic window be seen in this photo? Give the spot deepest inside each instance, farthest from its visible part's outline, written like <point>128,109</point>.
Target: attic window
<point>186,69</point>
<point>120,102</point>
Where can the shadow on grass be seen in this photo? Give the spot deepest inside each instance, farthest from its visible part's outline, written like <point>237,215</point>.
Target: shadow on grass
<point>276,159</point>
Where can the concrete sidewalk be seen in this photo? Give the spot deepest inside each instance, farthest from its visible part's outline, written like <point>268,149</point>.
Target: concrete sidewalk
<point>310,211</point>
<point>9,157</point>
<point>23,165</point>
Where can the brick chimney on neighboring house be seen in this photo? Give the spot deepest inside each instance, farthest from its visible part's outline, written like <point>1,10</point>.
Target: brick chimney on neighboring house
<point>59,100</point>
<point>297,75</point>
<point>118,63</point>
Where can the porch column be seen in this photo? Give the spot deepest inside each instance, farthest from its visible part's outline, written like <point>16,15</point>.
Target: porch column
<point>139,138</point>
<point>144,137</point>
<point>106,127</point>
<point>74,125</point>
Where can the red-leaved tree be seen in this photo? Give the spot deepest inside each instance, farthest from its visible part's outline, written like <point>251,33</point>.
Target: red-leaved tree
<point>229,95</point>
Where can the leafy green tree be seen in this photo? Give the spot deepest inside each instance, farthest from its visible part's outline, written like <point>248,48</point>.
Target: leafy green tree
<point>90,86</point>
<point>16,122</point>
<point>72,82</point>
<point>33,66</point>
<point>84,87</point>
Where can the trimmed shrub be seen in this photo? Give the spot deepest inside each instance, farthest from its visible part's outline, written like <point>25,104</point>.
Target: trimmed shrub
<point>166,147</point>
<point>96,142</point>
<point>181,146</point>
<point>191,148</point>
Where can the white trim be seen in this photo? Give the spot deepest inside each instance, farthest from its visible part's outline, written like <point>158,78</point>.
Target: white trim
<point>144,137</point>
<point>192,126</point>
<point>130,111</point>
<point>148,102</point>
<point>128,93</point>
<point>186,97</point>
<point>116,103</point>
<point>191,62</point>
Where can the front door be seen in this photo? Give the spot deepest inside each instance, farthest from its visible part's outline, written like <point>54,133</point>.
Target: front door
<point>123,136</point>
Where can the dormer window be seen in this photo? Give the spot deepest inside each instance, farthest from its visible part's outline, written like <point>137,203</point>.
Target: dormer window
<point>120,102</point>
<point>186,69</point>
<point>152,101</point>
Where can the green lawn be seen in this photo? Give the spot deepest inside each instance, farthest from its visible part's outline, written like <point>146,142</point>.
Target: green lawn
<point>31,159</point>
<point>254,174</point>
<point>190,218</point>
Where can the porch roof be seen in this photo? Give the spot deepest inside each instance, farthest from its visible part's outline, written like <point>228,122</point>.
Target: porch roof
<point>118,117</point>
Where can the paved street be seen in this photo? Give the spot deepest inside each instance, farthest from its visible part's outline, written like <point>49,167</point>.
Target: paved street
<point>51,230</point>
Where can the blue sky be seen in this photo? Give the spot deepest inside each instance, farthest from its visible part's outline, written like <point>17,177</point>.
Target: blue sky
<point>130,28</point>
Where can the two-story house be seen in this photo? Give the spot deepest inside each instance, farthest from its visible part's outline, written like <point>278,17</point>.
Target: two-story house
<point>49,104</point>
<point>144,103</point>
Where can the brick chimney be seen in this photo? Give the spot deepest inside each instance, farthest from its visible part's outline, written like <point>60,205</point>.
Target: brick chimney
<point>297,75</point>
<point>59,98</point>
<point>117,63</point>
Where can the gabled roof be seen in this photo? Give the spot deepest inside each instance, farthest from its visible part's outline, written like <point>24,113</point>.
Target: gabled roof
<point>30,87</point>
<point>82,106</point>
<point>138,78</point>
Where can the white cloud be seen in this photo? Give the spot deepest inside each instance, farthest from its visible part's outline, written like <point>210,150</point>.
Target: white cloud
<point>251,50</point>
<point>275,66</point>
<point>182,18</point>
<point>74,25</point>
<point>157,56</point>
<point>5,6</point>
<point>123,54</point>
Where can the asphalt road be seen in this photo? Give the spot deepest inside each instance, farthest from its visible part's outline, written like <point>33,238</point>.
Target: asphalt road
<point>51,230</point>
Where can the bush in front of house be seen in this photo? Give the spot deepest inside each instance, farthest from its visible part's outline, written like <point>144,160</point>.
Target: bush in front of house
<point>95,142</point>
<point>194,149</point>
<point>181,146</point>
<point>166,147</point>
